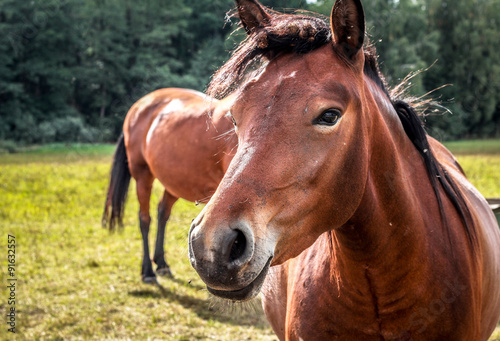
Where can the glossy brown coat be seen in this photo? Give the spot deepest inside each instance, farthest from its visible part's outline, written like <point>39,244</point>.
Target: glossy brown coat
<point>339,224</point>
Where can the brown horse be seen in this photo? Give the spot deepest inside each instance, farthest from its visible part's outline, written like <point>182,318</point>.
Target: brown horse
<point>354,222</point>
<point>180,137</point>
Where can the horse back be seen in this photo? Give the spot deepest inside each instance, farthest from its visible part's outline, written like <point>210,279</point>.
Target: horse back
<point>141,116</point>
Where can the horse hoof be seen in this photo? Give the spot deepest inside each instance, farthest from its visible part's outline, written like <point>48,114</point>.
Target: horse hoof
<point>164,272</point>
<point>149,280</point>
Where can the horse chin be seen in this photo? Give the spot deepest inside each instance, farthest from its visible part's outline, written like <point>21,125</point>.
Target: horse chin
<point>246,293</point>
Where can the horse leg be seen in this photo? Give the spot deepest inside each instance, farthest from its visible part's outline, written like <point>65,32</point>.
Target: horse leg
<point>164,209</point>
<point>144,186</point>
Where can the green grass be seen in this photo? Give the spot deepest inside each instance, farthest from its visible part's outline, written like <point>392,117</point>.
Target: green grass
<point>480,160</point>
<point>77,281</point>
<point>484,173</point>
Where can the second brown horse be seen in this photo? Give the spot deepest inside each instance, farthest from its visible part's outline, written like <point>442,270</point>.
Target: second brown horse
<point>180,137</point>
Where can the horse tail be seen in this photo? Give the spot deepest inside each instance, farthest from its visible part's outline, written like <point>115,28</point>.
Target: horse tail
<point>118,188</point>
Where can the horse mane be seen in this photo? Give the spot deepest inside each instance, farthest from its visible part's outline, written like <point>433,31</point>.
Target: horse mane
<point>301,34</point>
<point>286,33</point>
<point>417,134</point>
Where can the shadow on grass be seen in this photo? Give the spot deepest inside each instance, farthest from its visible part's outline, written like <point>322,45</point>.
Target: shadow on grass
<point>243,314</point>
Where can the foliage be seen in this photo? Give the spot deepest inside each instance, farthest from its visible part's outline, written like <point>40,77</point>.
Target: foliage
<point>8,146</point>
<point>468,45</point>
<point>87,62</point>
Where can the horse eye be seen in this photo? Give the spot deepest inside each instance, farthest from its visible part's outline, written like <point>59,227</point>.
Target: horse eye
<point>231,117</point>
<point>329,118</point>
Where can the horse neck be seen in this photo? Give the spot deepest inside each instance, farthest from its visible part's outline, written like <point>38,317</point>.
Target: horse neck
<point>388,226</point>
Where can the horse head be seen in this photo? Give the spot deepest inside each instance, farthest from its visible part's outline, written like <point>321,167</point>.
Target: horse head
<point>302,159</point>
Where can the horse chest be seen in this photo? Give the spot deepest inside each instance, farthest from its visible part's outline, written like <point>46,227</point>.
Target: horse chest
<point>307,303</point>
<point>331,314</point>
<point>304,303</point>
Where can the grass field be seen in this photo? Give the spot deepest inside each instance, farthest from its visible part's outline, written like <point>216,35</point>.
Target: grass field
<point>77,282</point>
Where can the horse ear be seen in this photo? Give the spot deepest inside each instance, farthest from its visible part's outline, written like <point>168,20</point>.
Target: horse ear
<point>348,26</point>
<point>252,15</point>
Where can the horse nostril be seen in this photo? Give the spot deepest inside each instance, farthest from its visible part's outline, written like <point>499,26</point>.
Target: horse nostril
<point>238,247</point>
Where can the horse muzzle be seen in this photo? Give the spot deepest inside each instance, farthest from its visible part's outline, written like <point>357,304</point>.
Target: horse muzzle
<point>227,259</point>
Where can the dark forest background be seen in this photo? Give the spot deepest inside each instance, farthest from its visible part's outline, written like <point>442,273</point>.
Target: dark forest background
<point>70,69</point>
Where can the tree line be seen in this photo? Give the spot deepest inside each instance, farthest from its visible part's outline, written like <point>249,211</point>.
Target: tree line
<point>70,69</point>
